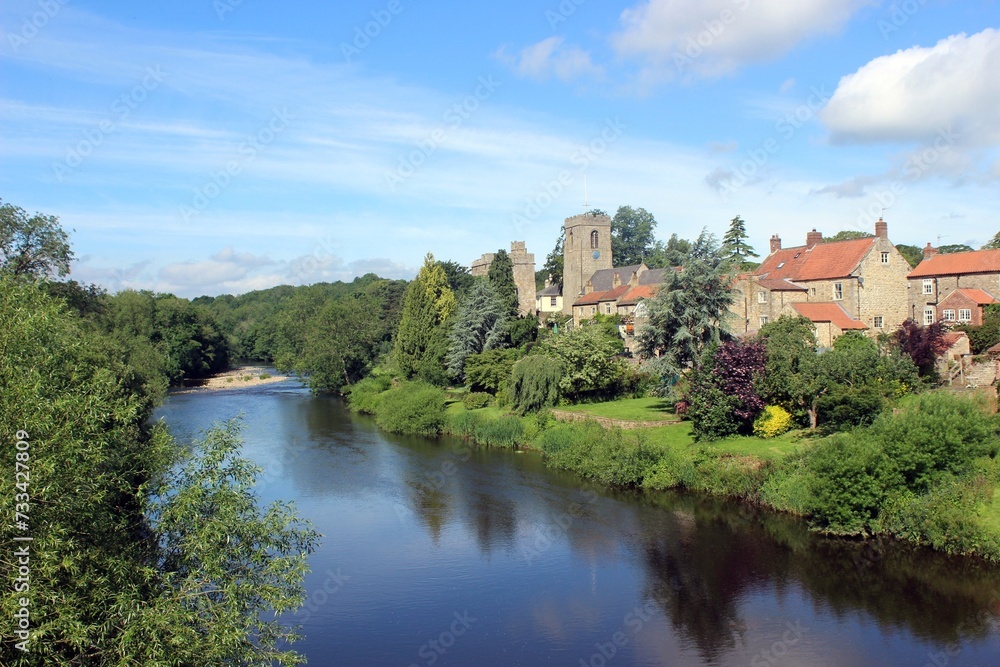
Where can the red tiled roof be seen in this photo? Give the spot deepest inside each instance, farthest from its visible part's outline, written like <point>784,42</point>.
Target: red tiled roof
<point>822,261</point>
<point>952,337</point>
<point>591,299</point>
<point>828,312</point>
<point>637,294</point>
<point>958,263</point>
<point>977,296</point>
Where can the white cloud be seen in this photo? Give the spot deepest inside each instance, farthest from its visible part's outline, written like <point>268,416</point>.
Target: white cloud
<point>226,269</point>
<point>916,94</point>
<point>549,58</point>
<point>709,38</point>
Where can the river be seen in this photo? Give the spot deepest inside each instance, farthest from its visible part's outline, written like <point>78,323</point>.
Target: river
<point>435,553</point>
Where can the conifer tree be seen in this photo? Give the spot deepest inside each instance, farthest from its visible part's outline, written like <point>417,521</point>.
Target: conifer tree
<point>479,326</point>
<point>734,243</point>
<point>501,277</point>
<point>428,305</point>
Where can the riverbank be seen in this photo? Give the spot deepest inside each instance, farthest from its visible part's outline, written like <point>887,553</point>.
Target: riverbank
<point>240,377</point>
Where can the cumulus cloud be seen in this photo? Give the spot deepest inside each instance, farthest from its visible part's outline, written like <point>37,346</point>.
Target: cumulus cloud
<point>918,93</point>
<point>552,57</point>
<point>226,267</point>
<point>710,38</point>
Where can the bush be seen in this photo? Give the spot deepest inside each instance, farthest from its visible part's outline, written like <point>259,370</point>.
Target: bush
<point>613,457</point>
<point>363,397</point>
<point>774,421</point>
<point>846,407</point>
<point>535,383</point>
<point>464,423</point>
<point>412,408</point>
<point>476,399</point>
<point>507,431</point>
<point>490,371</point>
<point>713,414</point>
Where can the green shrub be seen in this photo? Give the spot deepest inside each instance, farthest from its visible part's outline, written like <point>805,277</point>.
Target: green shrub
<point>613,457</point>
<point>774,421</point>
<point>490,371</point>
<point>848,406</point>
<point>534,383</point>
<point>507,431</point>
<point>464,423</point>
<point>363,397</point>
<point>674,469</point>
<point>264,376</point>
<point>412,408</point>
<point>713,414</point>
<point>476,399</point>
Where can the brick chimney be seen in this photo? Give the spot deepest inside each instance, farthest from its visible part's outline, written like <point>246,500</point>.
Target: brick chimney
<point>929,251</point>
<point>814,237</point>
<point>882,229</point>
<point>616,280</point>
<point>775,243</point>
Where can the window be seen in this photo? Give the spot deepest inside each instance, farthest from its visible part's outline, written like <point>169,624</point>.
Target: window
<point>948,315</point>
<point>928,316</point>
<point>607,308</point>
<point>593,239</point>
<point>885,258</point>
<point>553,301</point>
<point>964,314</point>
<point>929,286</point>
<point>838,291</point>
<point>878,322</point>
<point>763,320</point>
<point>641,310</point>
<point>593,310</point>
<point>761,297</point>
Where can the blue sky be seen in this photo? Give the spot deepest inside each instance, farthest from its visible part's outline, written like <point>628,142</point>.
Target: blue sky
<point>214,146</point>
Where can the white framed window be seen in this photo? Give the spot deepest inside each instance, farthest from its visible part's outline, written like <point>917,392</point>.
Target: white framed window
<point>607,308</point>
<point>928,316</point>
<point>885,258</point>
<point>553,301</point>
<point>764,320</point>
<point>762,297</point>
<point>838,291</point>
<point>948,315</point>
<point>879,323</point>
<point>593,310</point>
<point>964,314</point>
<point>928,286</point>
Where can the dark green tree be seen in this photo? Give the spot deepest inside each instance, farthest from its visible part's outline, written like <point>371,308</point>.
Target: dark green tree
<point>459,279</point>
<point>955,247</point>
<point>501,277</point>
<point>631,235</point>
<point>34,245</point>
<point>911,253</point>
<point>993,243</point>
<point>847,235</point>
<point>478,326</point>
<point>535,383</point>
<point>554,262</point>
<point>734,243</point>
<point>669,254</point>
<point>421,338</point>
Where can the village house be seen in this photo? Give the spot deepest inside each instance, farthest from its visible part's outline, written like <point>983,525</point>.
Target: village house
<point>954,287</point>
<point>606,287</point>
<point>860,284</point>
<point>549,300</point>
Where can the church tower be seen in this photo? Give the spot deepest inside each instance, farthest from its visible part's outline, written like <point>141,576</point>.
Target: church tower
<point>586,249</point>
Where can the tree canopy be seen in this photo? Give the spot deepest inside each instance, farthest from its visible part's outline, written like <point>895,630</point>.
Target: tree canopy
<point>35,246</point>
<point>631,235</point>
<point>734,243</point>
<point>501,277</point>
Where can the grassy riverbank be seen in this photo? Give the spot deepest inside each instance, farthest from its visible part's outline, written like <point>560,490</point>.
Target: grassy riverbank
<point>925,472</point>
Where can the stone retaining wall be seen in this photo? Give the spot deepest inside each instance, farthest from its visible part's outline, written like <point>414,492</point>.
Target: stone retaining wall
<point>626,424</point>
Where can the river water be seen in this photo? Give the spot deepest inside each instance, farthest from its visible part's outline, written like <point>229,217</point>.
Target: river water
<point>435,553</point>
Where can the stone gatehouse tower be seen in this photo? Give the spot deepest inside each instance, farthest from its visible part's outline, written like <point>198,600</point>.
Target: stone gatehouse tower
<point>524,274</point>
<point>586,250</point>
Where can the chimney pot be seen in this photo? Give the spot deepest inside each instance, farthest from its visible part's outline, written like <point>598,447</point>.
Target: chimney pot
<point>814,237</point>
<point>882,229</point>
<point>775,243</point>
<point>929,251</point>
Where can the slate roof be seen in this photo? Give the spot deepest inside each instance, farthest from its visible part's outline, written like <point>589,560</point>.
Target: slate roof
<point>603,280</point>
<point>829,312</point>
<point>551,290</point>
<point>958,263</point>
<point>823,261</point>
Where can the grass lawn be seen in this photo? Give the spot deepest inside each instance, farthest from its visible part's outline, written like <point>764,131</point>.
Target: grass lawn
<point>670,437</point>
<point>991,513</point>
<point>633,409</point>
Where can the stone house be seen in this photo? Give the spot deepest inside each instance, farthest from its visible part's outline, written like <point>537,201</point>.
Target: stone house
<point>938,277</point>
<point>549,300</point>
<point>866,278</point>
<point>831,320</point>
<point>524,275</point>
<point>604,289</point>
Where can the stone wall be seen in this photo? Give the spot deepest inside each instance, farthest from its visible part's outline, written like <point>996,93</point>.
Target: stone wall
<point>884,292</point>
<point>579,262</point>
<point>944,286</point>
<point>524,274</point>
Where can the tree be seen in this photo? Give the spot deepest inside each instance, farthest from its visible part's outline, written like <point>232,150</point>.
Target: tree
<point>477,327</point>
<point>993,244</point>
<point>955,247</point>
<point>631,235</point>
<point>688,312</point>
<point>734,243</point>
<point>911,253</point>
<point>591,357</point>
<point>669,254</point>
<point>535,383</point>
<point>459,279</point>
<point>987,335</point>
<point>848,235</point>
<point>34,246</point>
<point>923,344</point>
<point>501,277</point>
<point>724,399</point>
<point>428,304</point>
<point>554,262</point>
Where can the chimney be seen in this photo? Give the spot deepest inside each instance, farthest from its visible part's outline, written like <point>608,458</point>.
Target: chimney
<point>548,280</point>
<point>882,229</point>
<point>929,251</point>
<point>616,280</point>
<point>775,243</point>
<point>814,237</point>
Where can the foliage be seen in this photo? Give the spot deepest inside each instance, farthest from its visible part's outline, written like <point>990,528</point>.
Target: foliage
<point>411,408</point>
<point>723,399</point>
<point>478,326</point>
<point>923,344</point>
<point>535,383</point>
<point>490,371</point>
<point>506,431</point>
<point>993,243</point>
<point>911,253</point>
<point>555,260</point>
<point>476,399</point>
<point>35,246</point>
<point>501,278</point>
<point>672,253</point>
<point>421,340</point>
<point>948,249</point>
<point>631,235</point>
<point>987,335</point>
<point>734,244</point>
<point>847,235</point>
<point>772,422</point>
<point>363,397</point>
<point>712,412</point>
<point>520,331</point>
<point>849,482</point>
<point>613,457</point>
<point>591,357</point>
<point>460,281</point>
<point>688,311</point>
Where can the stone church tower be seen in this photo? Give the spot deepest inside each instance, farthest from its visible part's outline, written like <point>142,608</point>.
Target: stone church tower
<point>586,249</point>
<point>524,274</point>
